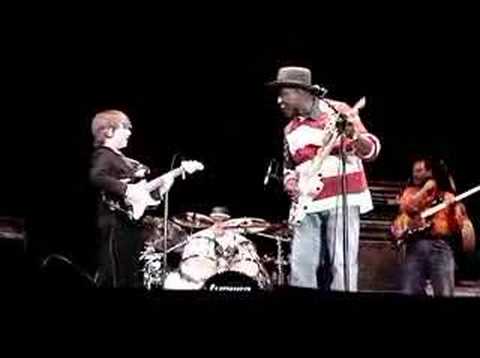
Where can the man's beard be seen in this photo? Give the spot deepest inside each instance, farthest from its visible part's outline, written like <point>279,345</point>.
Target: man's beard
<point>422,181</point>
<point>291,113</point>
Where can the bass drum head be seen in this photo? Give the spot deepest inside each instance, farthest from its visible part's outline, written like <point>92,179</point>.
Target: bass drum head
<point>231,281</point>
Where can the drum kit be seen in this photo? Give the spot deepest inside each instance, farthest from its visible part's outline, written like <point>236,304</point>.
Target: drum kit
<point>204,253</point>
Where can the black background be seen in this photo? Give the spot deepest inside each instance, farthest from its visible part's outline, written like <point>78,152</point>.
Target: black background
<point>196,87</point>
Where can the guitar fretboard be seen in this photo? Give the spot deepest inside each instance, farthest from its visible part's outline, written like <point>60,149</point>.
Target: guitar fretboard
<point>157,182</point>
<point>437,208</point>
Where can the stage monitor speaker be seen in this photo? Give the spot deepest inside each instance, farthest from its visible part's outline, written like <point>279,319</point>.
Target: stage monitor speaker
<point>60,272</point>
<point>12,251</point>
<point>379,266</point>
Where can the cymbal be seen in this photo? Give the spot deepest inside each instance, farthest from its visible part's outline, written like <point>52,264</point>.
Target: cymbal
<point>193,220</point>
<point>280,229</point>
<point>247,224</point>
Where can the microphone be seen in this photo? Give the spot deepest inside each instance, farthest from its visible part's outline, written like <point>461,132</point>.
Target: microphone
<point>319,91</point>
<point>342,122</point>
<point>267,176</point>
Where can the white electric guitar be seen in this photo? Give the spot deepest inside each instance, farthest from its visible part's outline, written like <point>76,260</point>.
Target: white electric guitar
<point>141,199</point>
<point>310,182</point>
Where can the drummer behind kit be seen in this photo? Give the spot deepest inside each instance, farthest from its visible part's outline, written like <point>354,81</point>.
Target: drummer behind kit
<point>212,257</point>
<point>217,258</point>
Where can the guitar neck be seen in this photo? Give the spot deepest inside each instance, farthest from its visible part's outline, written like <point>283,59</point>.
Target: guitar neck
<point>437,208</point>
<point>158,182</point>
<point>324,152</point>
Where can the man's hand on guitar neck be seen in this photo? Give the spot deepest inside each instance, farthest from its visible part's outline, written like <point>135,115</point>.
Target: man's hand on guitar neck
<point>292,189</point>
<point>449,199</point>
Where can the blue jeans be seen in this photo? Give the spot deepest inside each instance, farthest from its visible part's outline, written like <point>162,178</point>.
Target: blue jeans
<point>317,255</point>
<point>429,259</point>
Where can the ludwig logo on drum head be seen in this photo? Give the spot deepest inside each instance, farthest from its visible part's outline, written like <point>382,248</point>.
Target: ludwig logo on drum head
<point>216,288</point>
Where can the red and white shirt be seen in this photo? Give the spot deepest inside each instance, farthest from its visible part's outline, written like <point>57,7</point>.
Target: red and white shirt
<point>303,138</point>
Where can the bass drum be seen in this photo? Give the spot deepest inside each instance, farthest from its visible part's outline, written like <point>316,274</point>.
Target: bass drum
<point>245,273</point>
<point>175,281</point>
<point>247,262</point>
<point>231,281</point>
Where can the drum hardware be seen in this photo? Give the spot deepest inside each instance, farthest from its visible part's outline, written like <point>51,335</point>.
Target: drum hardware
<point>279,262</point>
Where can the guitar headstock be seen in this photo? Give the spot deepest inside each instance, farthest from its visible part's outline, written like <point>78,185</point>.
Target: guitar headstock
<point>360,104</point>
<point>191,166</point>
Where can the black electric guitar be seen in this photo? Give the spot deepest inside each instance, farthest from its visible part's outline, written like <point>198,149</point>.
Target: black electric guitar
<point>135,205</point>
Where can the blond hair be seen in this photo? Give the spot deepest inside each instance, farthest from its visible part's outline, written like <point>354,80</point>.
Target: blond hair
<point>104,121</point>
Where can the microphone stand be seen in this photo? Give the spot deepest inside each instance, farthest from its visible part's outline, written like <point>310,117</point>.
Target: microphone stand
<point>165,233</point>
<point>272,173</point>
<point>165,225</point>
<point>346,266</point>
<point>341,124</point>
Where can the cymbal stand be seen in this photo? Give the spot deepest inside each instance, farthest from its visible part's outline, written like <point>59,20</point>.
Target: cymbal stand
<point>279,261</point>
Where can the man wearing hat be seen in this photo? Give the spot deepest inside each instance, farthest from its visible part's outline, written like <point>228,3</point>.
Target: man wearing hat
<point>226,239</point>
<point>318,247</point>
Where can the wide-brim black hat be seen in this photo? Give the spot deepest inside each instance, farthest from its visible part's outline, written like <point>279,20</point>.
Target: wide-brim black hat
<point>295,77</point>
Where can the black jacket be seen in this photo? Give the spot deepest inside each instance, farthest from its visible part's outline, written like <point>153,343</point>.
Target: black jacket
<point>107,170</point>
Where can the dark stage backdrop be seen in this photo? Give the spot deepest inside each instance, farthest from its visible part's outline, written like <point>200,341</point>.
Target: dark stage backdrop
<point>201,94</point>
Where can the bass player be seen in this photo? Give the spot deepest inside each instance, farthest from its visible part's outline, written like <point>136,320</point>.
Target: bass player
<point>430,241</point>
